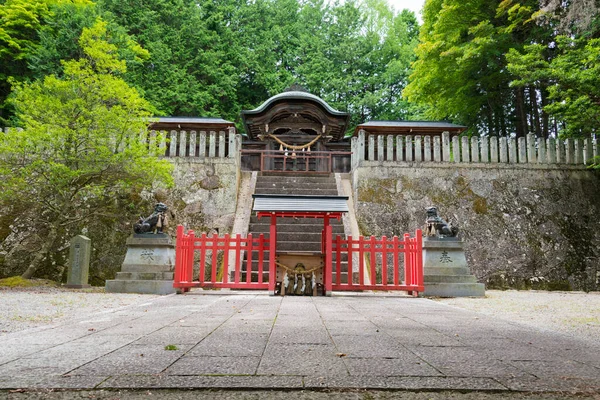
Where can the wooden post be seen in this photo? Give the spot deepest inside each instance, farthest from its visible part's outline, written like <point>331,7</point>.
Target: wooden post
<point>202,145</point>
<point>212,144</point>
<point>418,149</point>
<point>173,144</point>
<point>272,250</point>
<point>465,149</point>
<point>437,155</point>
<point>494,149</point>
<point>427,148</point>
<point>485,152</point>
<point>522,144</point>
<point>456,149</point>
<point>446,146</point>
<point>531,156</point>
<point>475,149</point>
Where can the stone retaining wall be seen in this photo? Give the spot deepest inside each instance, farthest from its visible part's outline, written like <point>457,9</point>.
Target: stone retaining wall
<point>524,226</point>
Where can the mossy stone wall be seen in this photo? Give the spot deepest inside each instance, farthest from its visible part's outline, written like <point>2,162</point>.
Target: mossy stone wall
<point>523,226</point>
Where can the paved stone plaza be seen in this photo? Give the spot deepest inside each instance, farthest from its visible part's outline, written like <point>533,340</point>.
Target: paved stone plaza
<point>262,342</point>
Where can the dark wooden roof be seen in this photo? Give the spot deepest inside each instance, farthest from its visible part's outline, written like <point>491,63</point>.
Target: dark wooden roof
<point>409,128</point>
<point>296,203</point>
<point>296,110</point>
<point>190,123</point>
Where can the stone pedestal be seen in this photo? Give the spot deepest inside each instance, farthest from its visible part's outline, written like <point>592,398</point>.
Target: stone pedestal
<point>79,262</point>
<point>148,267</point>
<point>446,273</point>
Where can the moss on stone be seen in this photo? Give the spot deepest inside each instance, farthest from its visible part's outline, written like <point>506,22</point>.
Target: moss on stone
<point>373,193</point>
<point>480,205</point>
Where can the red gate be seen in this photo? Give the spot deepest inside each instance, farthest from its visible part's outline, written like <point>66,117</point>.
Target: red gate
<point>382,264</point>
<point>222,261</point>
<point>226,262</point>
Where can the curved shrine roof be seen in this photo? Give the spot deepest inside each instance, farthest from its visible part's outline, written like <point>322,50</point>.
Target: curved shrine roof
<point>295,102</point>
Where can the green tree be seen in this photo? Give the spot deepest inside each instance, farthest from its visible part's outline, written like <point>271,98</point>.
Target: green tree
<point>188,72</point>
<point>82,146</point>
<point>461,73</point>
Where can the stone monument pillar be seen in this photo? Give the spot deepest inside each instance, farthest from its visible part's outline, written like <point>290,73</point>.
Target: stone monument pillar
<point>148,267</point>
<point>79,262</point>
<point>445,270</point>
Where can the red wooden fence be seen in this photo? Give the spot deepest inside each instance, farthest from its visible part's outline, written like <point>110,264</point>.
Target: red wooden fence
<point>383,264</point>
<point>224,256</point>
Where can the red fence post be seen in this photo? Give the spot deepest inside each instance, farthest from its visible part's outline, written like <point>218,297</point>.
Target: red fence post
<point>361,260</point>
<point>189,262</point>
<point>396,246</point>
<point>201,271</point>
<point>419,256</point>
<point>261,257</point>
<point>178,256</point>
<point>328,257</point>
<point>226,247</point>
<point>350,266</point>
<point>272,250</point>
<point>249,258</point>
<point>338,261</point>
<point>373,260</point>
<point>407,261</point>
<point>384,251</point>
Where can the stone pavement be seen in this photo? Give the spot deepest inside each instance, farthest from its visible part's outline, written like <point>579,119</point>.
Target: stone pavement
<point>249,340</point>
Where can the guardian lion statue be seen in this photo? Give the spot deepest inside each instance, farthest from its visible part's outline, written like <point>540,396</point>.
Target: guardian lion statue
<point>436,226</point>
<point>155,223</point>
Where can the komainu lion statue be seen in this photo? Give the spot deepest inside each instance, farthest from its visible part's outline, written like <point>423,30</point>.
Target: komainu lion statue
<point>436,226</point>
<point>155,223</point>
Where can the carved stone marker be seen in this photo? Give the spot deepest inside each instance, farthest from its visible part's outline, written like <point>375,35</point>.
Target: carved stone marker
<point>445,270</point>
<point>79,262</point>
<point>446,273</point>
<point>148,266</point>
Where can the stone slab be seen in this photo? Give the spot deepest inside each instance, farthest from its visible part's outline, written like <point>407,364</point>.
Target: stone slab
<point>139,286</point>
<point>391,343</point>
<point>454,289</point>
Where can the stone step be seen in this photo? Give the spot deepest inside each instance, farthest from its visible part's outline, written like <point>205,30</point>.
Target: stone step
<point>290,220</point>
<point>447,271</point>
<point>140,286</point>
<point>294,246</point>
<point>343,265</point>
<point>305,236</point>
<point>147,268</point>
<point>299,176</point>
<point>300,185</point>
<point>285,228</point>
<point>449,278</point>
<point>298,191</point>
<point>454,289</point>
<point>156,276</point>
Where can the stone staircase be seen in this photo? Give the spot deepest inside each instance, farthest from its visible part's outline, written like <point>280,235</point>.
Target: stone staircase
<point>294,235</point>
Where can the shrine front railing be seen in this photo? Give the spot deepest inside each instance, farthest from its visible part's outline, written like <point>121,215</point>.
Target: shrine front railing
<point>290,161</point>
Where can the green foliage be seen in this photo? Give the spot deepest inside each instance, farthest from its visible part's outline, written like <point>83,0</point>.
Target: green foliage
<point>218,58</point>
<point>81,147</point>
<point>572,76</point>
<point>499,68</point>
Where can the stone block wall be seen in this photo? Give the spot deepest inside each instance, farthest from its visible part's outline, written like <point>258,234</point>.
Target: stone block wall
<point>204,197</point>
<point>524,226</point>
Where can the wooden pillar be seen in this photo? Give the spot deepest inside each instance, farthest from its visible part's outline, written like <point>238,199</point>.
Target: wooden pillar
<point>272,251</point>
